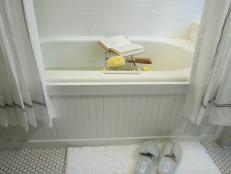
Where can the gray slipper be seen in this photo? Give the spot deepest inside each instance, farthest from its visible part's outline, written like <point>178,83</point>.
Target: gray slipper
<point>146,165</point>
<point>149,148</point>
<point>147,161</point>
<point>170,158</point>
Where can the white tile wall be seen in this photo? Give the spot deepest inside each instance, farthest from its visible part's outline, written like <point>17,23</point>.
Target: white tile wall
<point>156,18</point>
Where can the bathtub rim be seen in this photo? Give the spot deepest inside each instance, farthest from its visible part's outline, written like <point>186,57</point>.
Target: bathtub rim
<point>179,42</point>
<point>94,77</point>
<point>135,89</point>
<point>70,88</point>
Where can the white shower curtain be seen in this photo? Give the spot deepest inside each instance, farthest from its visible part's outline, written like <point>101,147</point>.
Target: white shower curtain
<point>210,91</point>
<point>23,95</point>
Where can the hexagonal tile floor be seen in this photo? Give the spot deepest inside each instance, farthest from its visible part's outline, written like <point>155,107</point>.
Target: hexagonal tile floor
<point>53,160</point>
<point>31,161</point>
<point>220,155</point>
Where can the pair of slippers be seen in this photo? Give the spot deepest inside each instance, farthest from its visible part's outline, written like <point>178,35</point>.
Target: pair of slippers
<point>152,161</point>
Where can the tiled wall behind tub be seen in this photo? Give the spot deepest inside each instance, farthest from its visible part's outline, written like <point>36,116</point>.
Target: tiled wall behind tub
<point>154,18</point>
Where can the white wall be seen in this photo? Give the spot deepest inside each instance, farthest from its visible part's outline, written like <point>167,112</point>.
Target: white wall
<point>157,18</point>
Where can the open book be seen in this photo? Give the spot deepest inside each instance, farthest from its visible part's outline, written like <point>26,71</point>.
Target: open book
<point>121,46</point>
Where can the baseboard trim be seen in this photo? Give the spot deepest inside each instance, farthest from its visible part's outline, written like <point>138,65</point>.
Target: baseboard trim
<point>96,142</point>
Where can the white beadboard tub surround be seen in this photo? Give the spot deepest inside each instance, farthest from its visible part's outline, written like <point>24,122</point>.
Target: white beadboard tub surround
<point>95,117</point>
<point>112,119</point>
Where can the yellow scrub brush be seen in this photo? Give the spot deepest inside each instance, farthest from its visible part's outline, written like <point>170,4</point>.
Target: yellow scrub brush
<point>116,62</point>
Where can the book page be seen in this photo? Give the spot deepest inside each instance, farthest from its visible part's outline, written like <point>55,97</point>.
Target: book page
<point>119,41</point>
<point>116,41</point>
<point>128,47</point>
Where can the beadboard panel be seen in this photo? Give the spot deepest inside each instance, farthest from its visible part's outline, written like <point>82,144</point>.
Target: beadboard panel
<point>95,117</point>
<point>152,18</point>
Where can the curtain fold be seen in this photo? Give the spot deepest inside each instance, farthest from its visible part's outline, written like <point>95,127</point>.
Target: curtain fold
<point>23,95</point>
<point>210,90</point>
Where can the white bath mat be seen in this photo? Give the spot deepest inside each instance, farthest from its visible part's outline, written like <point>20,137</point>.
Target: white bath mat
<point>122,160</point>
<point>101,160</point>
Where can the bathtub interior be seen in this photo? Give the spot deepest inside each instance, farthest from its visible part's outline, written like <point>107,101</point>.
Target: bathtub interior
<point>87,54</point>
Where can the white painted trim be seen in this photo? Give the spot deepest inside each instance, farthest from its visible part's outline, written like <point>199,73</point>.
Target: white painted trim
<point>97,142</point>
<point>115,89</point>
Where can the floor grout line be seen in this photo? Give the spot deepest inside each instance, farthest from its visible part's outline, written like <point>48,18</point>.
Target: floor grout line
<point>220,156</point>
<point>50,160</point>
<point>53,160</point>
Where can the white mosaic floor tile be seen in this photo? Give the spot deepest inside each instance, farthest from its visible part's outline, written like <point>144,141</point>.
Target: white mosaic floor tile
<point>33,161</point>
<point>52,160</point>
<point>220,155</point>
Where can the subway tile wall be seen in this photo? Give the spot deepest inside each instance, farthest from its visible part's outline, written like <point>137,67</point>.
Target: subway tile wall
<point>142,18</point>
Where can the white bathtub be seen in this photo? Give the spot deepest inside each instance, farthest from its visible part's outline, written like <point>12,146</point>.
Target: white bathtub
<point>102,108</point>
<point>81,60</point>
